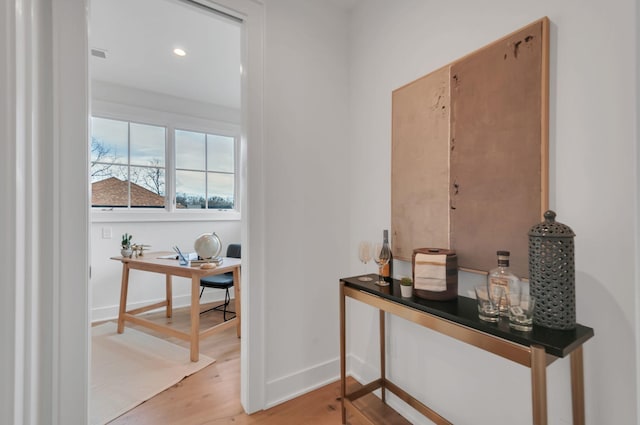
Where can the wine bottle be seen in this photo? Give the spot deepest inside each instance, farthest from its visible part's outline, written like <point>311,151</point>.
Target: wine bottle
<point>504,277</point>
<point>387,270</point>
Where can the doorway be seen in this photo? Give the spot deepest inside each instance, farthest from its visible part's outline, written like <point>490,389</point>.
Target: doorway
<point>56,333</point>
<point>137,87</point>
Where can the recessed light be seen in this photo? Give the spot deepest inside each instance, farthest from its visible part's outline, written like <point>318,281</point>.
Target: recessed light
<point>179,52</point>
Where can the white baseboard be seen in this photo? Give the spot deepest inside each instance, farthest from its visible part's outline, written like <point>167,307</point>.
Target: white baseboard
<point>365,373</point>
<point>299,383</point>
<point>111,312</point>
<point>361,371</point>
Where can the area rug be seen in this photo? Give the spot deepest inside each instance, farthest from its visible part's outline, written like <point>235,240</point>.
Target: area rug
<point>130,368</point>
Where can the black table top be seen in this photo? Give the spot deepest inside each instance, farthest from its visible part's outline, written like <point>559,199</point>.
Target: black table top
<point>464,311</point>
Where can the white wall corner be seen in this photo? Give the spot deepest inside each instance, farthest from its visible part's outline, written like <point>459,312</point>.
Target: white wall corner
<point>364,373</point>
<point>360,370</point>
<point>299,383</point>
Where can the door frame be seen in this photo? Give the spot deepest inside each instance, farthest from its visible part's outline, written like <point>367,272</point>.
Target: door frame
<point>45,305</point>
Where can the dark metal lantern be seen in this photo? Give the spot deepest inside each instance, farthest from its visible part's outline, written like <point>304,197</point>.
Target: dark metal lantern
<point>552,273</point>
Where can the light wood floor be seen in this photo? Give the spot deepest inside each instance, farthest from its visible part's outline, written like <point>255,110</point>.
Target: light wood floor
<point>212,396</point>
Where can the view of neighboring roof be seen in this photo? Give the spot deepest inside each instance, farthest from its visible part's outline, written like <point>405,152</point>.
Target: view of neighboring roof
<point>113,192</point>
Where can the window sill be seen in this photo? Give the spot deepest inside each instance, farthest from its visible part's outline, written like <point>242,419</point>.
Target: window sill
<point>128,216</point>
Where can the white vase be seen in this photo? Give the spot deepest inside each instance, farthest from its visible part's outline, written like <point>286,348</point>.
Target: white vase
<point>406,291</point>
<point>126,252</point>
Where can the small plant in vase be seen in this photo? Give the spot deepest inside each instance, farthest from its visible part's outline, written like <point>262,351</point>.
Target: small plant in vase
<point>406,287</point>
<point>126,250</point>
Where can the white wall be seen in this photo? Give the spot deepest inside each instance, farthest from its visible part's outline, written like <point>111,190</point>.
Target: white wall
<point>147,287</point>
<point>104,94</point>
<point>593,188</point>
<point>307,192</point>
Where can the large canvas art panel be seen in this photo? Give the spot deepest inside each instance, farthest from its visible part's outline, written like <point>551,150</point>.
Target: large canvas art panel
<point>419,192</point>
<point>470,154</point>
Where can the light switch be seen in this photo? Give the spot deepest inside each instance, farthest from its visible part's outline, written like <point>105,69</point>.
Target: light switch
<point>106,233</point>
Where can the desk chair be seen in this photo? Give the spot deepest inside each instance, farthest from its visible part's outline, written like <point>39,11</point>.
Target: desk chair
<point>222,281</point>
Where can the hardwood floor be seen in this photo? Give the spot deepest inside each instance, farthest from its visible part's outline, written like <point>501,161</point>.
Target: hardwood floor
<point>212,396</point>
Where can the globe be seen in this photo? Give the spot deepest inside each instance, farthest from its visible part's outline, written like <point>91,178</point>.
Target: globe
<point>208,245</point>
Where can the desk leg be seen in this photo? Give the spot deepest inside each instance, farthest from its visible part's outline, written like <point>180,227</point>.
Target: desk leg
<point>237,293</point>
<point>539,385</point>
<point>169,296</point>
<point>343,359</point>
<point>577,386</point>
<point>383,359</point>
<point>124,287</point>
<point>195,318</point>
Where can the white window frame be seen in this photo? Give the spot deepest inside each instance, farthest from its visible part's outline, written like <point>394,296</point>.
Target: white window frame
<point>129,166</point>
<point>236,142</point>
<point>172,122</point>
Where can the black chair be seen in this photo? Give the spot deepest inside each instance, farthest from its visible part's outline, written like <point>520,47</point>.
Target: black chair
<point>222,281</point>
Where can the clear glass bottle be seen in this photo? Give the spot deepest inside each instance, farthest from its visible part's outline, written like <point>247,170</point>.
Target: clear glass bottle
<point>504,277</point>
<point>387,269</point>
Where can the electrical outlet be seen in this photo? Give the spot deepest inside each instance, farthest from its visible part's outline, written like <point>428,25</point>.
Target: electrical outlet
<point>106,233</point>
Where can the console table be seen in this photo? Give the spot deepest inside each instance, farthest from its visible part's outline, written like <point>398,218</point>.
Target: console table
<point>459,319</point>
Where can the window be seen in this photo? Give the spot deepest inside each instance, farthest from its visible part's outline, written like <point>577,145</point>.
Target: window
<point>127,164</point>
<point>205,168</point>
<point>129,167</point>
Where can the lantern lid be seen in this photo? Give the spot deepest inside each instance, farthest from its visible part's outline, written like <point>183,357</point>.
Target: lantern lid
<point>550,228</point>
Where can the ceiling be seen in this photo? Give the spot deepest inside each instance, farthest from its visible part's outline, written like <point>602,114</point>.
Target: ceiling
<point>139,37</point>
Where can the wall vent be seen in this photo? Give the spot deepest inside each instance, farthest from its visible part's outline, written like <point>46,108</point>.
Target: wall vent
<point>99,53</point>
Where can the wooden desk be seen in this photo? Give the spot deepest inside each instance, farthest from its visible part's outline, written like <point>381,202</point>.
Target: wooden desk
<point>169,267</point>
<point>459,319</point>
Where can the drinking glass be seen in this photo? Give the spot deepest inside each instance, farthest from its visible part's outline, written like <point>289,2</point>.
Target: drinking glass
<point>521,306</point>
<point>364,253</point>
<point>381,255</point>
<point>488,299</point>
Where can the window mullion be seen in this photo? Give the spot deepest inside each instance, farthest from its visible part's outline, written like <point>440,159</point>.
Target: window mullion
<point>128,164</point>
<point>206,171</point>
<point>170,171</point>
